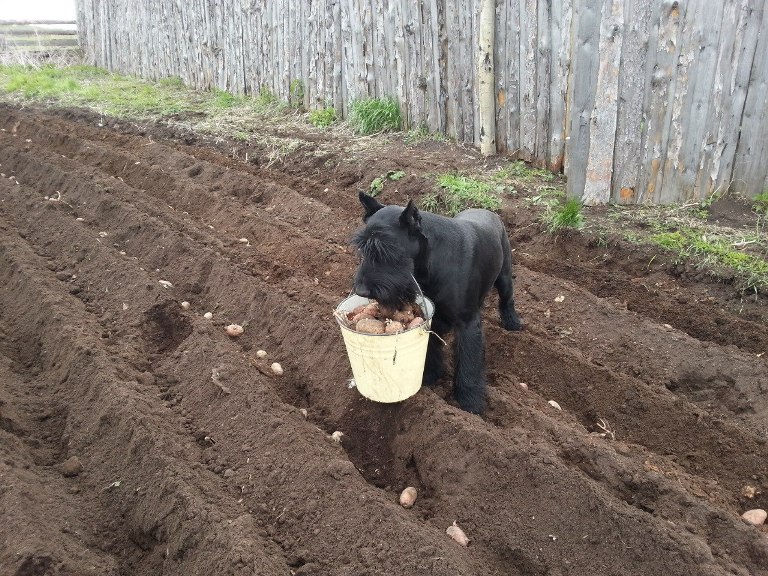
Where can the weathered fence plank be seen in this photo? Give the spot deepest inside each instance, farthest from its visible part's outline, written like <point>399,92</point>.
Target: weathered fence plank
<point>584,53</point>
<point>750,171</point>
<point>638,101</point>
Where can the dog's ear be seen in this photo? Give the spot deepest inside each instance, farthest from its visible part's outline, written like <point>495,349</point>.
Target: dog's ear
<point>410,219</point>
<point>370,204</point>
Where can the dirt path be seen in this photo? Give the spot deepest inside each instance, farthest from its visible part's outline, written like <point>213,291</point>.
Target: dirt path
<point>121,452</point>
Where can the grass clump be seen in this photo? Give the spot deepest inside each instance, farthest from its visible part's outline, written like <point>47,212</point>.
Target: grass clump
<point>322,118</point>
<point>760,203</point>
<point>218,112</point>
<point>377,184</point>
<point>422,134</point>
<point>458,192</point>
<point>296,93</point>
<point>520,171</point>
<point>567,215</point>
<point>374,115</point>
<point>714,253</point>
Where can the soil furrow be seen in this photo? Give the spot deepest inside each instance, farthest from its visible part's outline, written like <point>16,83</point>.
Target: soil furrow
<point>197,458</point>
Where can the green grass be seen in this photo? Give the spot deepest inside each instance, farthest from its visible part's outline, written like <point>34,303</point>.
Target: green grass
<point>714,253</point>
<point>322,118</point>
<point>374,115</point>
<point>296,93</point>
<point>520,171</point>
<point>760,203</point>
<point>422,134</point>
<point>563,216</point>
<point>458,192</point>
<point>217,111</point>
<point>377,184</point>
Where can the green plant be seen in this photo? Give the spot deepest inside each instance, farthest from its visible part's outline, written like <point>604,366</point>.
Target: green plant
<point>565,216</point>
<point>712,252</point>
<point>546,196</point>
<point>458,192</point>
<point>422,134</point>
<point>760,203</point>
<point>171,82</point>
<point>266,96</point>
<point>322,118</point>
<point>296,93</point>
<point>519,170</point>
<point>223,99</point>
<point>375,115</point>
<point>377,185</point>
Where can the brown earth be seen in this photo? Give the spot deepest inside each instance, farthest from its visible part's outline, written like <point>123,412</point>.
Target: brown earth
<point>137,438</point>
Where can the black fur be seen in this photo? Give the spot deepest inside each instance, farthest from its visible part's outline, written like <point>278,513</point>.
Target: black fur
<point>456,261</point>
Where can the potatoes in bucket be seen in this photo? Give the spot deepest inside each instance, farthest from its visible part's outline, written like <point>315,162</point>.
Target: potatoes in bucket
<point>372,318</point>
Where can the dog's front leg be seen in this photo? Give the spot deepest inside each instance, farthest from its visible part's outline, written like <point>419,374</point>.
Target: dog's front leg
<point>469,372</point>
<point>434,366</point>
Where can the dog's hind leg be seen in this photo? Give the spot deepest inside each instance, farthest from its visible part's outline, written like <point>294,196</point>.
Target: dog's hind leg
<point>469,372</point>
<point>509,318</point>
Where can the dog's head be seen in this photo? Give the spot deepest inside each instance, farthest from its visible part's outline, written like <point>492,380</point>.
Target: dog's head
<point>388,245</point>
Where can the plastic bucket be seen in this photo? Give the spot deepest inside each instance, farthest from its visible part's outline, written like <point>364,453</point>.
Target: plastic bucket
<point>387,367</point>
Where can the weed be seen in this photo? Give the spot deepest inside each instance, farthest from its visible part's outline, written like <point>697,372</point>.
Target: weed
<point>430,202</point>
<point>266,96</point>
<point>322,118</point>
<point>520,171</point>
<point>422,134</point>
<point>547,196</point>
<point>460,192</point>
<point>377,185</point>
<point>223,99</point>
<point>760,203</point>
<point>565,216</point>
<point>706,204</point>
<point>170,82</point>
<point>713,252</point>
<point>375,115</point>
<point>296,93</point>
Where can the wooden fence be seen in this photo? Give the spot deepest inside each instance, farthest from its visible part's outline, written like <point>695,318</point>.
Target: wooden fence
<point>638,101</point>
<point>38,35</point>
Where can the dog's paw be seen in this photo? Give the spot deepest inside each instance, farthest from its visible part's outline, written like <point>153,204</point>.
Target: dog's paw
<point>512,322</point>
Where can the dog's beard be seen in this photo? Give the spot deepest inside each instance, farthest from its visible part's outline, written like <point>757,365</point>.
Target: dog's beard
<point>392,289</point>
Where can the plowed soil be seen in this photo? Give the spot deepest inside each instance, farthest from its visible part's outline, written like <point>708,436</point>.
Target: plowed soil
<point>137,438</point>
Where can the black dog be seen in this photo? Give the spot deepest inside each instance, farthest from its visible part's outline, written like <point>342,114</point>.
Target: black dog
<point>456,261</point>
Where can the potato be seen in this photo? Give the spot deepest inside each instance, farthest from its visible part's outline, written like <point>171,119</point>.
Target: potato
<point>370,326</point>
<point>408,497</point>
<point>373,318</point>
<point>373,309</point>
<point>404,316</point>
<point>234,330</point>
<point>358,309</point>
<point>457,534</point>
<point>277,370</point>
<point>357,317</point>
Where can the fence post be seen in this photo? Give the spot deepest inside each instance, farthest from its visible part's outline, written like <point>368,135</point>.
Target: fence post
<point>485,76</point>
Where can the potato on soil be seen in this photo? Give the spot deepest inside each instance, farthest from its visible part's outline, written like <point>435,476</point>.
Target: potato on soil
<point>457,534</point>
<point>408,497</point>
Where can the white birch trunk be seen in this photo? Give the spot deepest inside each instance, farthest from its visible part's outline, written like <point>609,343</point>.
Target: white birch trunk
<point>485,76</point>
